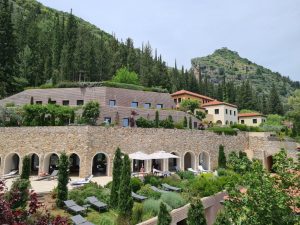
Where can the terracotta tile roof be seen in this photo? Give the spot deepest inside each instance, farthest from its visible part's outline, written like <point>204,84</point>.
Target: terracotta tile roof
<point>216,102</point>
<point>181,92</point>
<point>250,114</point>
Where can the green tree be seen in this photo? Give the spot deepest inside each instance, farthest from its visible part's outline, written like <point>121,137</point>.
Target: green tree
<point>196,213</point>
<point>125,199</point>
<point>190,123</point>
<point>164,217</point>
<point>123,75</point>
<point>156,121</point>
<point>7,49</point>
<point>222,219</point>
<point>115,187</point>
<point>189,105</point>
<point>26,168</point>
<point>19,186</point>
<point>185,123</point>
<point>63,179</point>
<point>275,105</point>
<point>91,112</point>
<point>221,157</point>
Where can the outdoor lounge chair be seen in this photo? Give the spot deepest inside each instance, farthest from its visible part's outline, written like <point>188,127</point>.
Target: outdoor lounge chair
<point>53,175</point>
<point>138,197</point>
<point>194,171</point>
<point>73,207</point>
<point>158,190</point>
<point>161,173</point>
<point>86,180</point>
<point>96,203</point>
<point>202,170</point>
<point>170,188</point>
<point>11,174</point>
<point>79,220</point>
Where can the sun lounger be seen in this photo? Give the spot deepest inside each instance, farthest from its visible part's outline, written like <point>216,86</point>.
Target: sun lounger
<point>161,173</point>
<point>11,174</point>
<point>138,197</point>
<point>202,170</point>
<point>79,220</point>
<point>73,207</point>
<point>171,188</point>
<point>83,181</point>
<point>53,175</point>
<point>96,203</point>
<point>158,190</point>
<point>194,171</point>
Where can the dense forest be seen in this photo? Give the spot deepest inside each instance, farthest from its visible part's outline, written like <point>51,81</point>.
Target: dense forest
<point>42,46</point>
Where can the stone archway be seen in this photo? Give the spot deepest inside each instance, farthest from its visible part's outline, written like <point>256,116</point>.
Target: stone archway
<point>74,164</point>
<point>50,163</point>
<point>34,164</point>
<point>269,163</point>
<point>219,122</point>
<point>189,160</point>
<point>100,164</point>
<point>204,160</point>
<point>174,164</point>
<point>12,162</point>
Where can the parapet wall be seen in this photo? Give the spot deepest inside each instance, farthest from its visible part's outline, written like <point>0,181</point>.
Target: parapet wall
<point>87,141</point>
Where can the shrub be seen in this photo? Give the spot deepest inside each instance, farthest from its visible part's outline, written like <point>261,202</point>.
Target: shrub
<point>136,184</point>
<point>26,168</point>
<point>63,179</point>
<point>156,120</point>
<point>196,213</point>
<point>108,185</point>
<point>19,187</point>
<point>144,123</point>
<point>151,206</point>
<point>174,200</point>
<point>188,175</point>
<point>221,157</point>
<point>225,130</point>
<point>173,180</point>
<point>164,217</point>
<point>179,125</point>
<point>137,213</point>
<point>92,189</point>
<point>153,180</point>
<point>167,123</point>
<point>148,192</point>
<point>203,185</point>
<point>91,112</point>
<point>123,75</point>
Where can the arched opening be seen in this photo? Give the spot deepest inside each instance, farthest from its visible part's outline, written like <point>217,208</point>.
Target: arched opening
<point>157,164</point>
<point>189,160</point>
<point>74,164</point>
<point>269,163</point>
<point>50,163</point>
<point>99,167</point>
<point>219,122</point>
<point>138,165</point>
<point>174,164</point>
<point>12,162</point>
<point>204,160</point>
<point>34,164</point>
<point>226,122</point>
<point>231,123</point>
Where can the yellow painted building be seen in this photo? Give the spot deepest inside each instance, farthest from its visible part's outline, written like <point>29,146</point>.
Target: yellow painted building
<point>251,119</point>
<point>179,96</point>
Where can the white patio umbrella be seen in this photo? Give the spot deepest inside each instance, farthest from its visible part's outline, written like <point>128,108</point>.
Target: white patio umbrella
<point>139,156</point>
<point>162,155</point>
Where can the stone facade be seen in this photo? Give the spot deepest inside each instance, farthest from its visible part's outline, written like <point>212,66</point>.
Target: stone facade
<point>87,141</point>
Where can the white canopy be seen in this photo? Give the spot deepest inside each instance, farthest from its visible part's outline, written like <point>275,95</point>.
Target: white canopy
<point>139,156</point>
<point>162,155</point>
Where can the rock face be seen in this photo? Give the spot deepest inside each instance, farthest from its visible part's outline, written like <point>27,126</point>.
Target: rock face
<point>87,141</point>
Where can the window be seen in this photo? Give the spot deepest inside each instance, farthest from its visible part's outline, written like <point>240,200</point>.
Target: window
<point>107,120</point>
<point>159,106</point>
<point>134,104</point>
<point>112,103</point>
<point>52,102</point>
<point>226,111</point>
<point>254,120</point>
<point>80,102</point>
<point>39,102</point>
<point>125,122</point>
<point>230,112</point>
<point>179,100</point>
<point>175,101</point>
<point>234,112</point>
<point>242,121</point>
<point>147,105</point>
<point>65,102</point>
<point>216,111</point>
<point>195,125</point>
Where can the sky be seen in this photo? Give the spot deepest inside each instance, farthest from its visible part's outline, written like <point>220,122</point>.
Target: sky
<point>266,32</point>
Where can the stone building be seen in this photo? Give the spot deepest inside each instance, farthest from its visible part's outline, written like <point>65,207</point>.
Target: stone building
<point>251,119</point>
<point>91,148</point>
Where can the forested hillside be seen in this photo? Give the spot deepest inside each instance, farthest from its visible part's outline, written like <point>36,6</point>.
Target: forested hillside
<point>42,46</point>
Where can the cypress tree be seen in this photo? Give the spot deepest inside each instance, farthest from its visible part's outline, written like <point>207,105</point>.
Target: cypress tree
<point>164,217</point>
<point>31,100</point>
<point>221,157</point>
<point>63,179</point>
<point>190,123</point>
<point>275,106</point>
<point>125,199</point>
<point>185,123</point>
<point>156,119</point>
<point>7,49</point>
<point>117,169</point>
<point>196,213</point>
<point>26,168</point>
